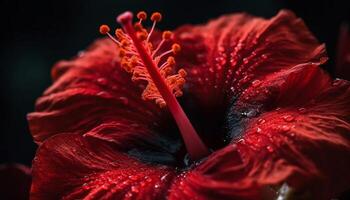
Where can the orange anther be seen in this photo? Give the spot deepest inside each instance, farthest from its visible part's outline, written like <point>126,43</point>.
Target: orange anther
<point>119,33</point>
<point>182,73</point>
<point>167,35</point>
<point>122,53</point>
<point>124,43</point>
<point>142,35</point>
<point>104,29</point>
<point>133,61</point>
<point>180,82</point>
<point>156,16</point>
<point>141,15</point>
<point>160,102</point>
<point>176,48</point>
<point>171,61</point>
<point>178,93</point>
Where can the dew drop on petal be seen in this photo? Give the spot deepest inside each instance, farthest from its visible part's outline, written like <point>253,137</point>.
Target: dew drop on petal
<point>102,93</point>
<point>261,121</point>
<point>302,110</point>
<point>269,148</point>
<point>256,83</point>
<point>285,128</point>
<point>288,118</point>
<point>134,189</point>
<point>81,53</point>
<point>124,100</point>
<point>102,81</point>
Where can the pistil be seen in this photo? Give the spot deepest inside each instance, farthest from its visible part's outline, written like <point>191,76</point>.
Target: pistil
<point>144,62</point>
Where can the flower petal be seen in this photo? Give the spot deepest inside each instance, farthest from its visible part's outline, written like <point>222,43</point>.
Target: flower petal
<point>226,55</point>
<point>69,166</point>
<point>305,144</point>
<point>90,90</point>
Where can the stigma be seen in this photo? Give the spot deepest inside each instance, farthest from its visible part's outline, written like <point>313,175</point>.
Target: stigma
<point>148,62</point>
<point>132,62</point>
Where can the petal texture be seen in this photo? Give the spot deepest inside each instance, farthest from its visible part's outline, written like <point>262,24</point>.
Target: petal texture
<point>226,55</point>
<point>69,166</point>
<point>90,91</point>
<point>305,144</point>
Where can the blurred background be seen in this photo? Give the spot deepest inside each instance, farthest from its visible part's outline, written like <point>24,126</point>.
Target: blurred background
<point>36,34</point>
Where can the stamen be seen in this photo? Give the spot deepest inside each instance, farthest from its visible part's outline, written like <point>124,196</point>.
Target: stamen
<point>165,36</point>
<point>142,15</point>
<point>156,17</point>
<point>104,29</point>
<point>163,87</point>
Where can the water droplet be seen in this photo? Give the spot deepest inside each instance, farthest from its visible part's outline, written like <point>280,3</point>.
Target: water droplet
<point>269,148</point>
<point>250,113</point>
<point>102,81</point>
<point>156,186</point>
<point>258,130</point>
<point>256,83</point>
<point>102,93</point>
<point>285,128</point>
<point>288,118</point>
<point>134,178</point>
<point>124,100</point>
<point>220,60</point>
<point>261,121</point>
<point>81,53</point>
<point>134,189</point>
<point>211,69</point>
<point>302,110</point>
<point>128,195</point>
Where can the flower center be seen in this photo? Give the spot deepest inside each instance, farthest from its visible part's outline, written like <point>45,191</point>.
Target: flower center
<point>147,63</point>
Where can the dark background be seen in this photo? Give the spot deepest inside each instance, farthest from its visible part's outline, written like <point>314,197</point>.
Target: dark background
<point>36,34</point>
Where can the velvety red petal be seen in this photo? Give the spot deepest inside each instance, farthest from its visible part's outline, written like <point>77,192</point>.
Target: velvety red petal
<point>69,166</point>
<point>226,55</point>
<point>88,91</point>
<point>305,144</point>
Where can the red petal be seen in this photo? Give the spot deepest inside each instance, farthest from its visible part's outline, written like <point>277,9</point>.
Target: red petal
<point>70,166</point>
<point>305,144</point>
<point>88,91</point>
<point>226,55</point>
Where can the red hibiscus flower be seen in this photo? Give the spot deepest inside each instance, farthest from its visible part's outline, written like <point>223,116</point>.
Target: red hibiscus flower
<point>275,122</point>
